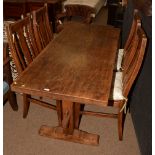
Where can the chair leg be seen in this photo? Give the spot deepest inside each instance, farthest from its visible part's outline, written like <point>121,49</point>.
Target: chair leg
<point>26,105</point>
<point>77,115</point>
<point>120,122</point>
<point>12,100</point>
<point>59,111</point>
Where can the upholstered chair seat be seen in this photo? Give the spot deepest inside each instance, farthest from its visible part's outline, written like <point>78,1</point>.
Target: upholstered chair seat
<point>116,91</point>
<point>119,60</point>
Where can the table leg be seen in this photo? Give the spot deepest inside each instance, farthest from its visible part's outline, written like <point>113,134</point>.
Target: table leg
<point>67,130</point>
<point>77,115</point>
<point>68,117</point>
<point>26,105</point>
<point>59,111</point>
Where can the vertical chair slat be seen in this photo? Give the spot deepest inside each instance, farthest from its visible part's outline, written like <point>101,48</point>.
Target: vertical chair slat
<point>24,46</point>
<point>31,42</point>
<point>128,57</point>
<point>19,55</point>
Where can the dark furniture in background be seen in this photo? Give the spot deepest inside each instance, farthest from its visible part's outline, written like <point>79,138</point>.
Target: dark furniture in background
<point>141,98</point>
<point>14,8</point>
<point>115,13</point>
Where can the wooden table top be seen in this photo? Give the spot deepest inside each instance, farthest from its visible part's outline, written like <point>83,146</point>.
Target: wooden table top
<point>76,66</point>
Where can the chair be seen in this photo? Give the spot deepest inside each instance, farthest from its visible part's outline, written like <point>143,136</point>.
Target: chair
<point>80,13</point>
<point>79,10</point>
<point>7,80</point>
<point>22,43</point>
<point>123,82</point>
<point>42,28</point>
<point>121,53</point>
<point>24,50</point>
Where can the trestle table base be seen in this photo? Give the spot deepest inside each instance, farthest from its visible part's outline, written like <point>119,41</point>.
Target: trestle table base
<point>78,136</point>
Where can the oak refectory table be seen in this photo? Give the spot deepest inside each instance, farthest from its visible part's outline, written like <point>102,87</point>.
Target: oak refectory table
<point>76,67</point>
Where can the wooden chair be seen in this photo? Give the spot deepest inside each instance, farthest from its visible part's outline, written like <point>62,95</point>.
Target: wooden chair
<point>42,28</point>
<point>80,13</point>
<point>24,50</point>
<point>22,43</point>
<point>7,80</point>
<point>121,53</point>
<point>123,82</point>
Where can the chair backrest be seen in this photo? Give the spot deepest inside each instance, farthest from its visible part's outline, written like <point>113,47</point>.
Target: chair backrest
<point>129,49</point>
<point>130,73</point>
<point>42,29</point>
<point>136,21</point>
<point>22,43</point>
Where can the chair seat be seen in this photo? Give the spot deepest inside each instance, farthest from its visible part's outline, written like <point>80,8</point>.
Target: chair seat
<point>116,92</point>
<point>119,59</point>
<point>5,87</point>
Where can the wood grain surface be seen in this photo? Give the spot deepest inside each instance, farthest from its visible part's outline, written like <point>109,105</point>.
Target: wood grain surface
<point>76,66</point>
